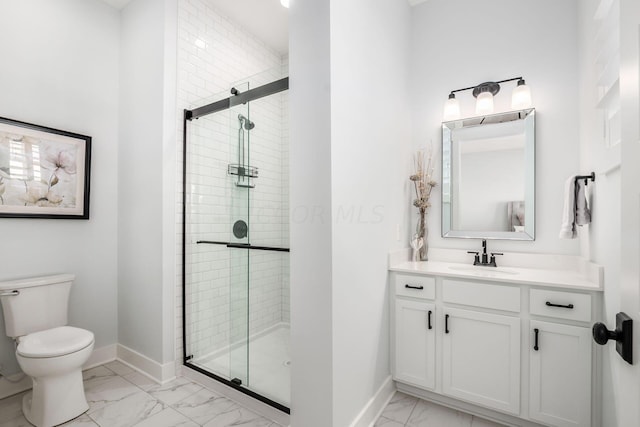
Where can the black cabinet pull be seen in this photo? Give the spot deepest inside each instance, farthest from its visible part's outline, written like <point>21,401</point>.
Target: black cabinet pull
<point>535,344</point>
<point>549,304</point>
<point>414,287</point>
<point>446,323</point>
<point>429,320</point>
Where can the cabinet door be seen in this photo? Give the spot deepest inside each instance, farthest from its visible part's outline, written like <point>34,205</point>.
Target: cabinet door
<point>415,343</point>
<point>481,359</point>
<point>560,375</point>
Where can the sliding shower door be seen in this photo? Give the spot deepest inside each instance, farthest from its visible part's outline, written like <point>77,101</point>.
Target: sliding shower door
<point>236,267</point>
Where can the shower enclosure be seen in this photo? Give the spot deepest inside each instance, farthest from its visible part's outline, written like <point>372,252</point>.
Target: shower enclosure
<point>236,241</point>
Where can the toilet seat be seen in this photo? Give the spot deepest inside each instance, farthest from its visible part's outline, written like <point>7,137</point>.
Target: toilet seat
<point>54,342</point>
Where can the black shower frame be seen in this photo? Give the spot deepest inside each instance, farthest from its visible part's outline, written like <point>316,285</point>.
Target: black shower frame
<point>190,115</point>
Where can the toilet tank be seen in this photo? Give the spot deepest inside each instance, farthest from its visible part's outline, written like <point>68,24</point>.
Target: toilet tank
<point>35,304</point>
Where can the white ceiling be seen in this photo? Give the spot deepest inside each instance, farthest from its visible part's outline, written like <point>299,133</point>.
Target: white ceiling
<point>266,19</point>
<point>118,4</point>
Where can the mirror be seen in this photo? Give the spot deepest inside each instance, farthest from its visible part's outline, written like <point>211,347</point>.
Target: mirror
<point>488,176</point>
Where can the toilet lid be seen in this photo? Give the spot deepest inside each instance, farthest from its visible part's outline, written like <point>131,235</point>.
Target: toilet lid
<point>54,342</point>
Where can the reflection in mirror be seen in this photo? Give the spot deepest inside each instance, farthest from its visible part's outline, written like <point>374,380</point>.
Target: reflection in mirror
<point>488,176</point>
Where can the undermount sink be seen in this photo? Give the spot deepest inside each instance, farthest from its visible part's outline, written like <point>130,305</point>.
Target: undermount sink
<point>483,271</point>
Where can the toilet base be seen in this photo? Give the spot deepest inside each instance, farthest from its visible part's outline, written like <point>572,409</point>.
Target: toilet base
<point>55,400</point>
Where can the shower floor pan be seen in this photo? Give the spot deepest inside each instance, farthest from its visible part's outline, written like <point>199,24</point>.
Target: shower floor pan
<point>269,364</point>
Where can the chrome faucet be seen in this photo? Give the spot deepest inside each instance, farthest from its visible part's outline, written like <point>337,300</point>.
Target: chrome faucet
<point>485,258</point>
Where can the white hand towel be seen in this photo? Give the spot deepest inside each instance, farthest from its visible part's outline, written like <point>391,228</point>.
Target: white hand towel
<point>568,228</point>
<point>583,213</point>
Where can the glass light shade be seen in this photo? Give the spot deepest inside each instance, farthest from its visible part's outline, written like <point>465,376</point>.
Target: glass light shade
<point>484,103</point>
<point>285,3</point>
<point>451,109</point>
<point>521,97</point>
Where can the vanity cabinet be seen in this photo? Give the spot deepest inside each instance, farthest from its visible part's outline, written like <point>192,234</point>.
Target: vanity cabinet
<point>415,343</point>
<point>518,353</point>
<point>560,374</point>
<point>481,359</point>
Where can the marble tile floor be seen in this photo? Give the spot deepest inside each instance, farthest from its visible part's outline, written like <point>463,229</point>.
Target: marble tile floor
<point>119,396</point>
<point>408,411</point>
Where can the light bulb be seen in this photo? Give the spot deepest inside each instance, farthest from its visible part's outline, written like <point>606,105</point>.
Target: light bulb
<point>484,103</point>
<point>521,96</point>
<point>451,108</point>
<point>285,3</point>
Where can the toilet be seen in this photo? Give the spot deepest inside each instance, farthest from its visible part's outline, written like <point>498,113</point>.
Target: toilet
<point>49,351</point>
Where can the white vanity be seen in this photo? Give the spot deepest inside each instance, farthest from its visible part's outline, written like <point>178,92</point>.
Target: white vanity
<point>512,344</point>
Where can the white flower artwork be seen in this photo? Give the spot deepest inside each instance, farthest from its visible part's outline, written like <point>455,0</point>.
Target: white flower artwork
<point>43,172</point>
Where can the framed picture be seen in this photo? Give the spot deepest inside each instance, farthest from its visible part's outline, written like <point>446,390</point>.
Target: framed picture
<point>44,172</point>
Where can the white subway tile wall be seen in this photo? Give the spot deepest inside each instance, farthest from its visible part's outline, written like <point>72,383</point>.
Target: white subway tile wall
<point>215,54</point>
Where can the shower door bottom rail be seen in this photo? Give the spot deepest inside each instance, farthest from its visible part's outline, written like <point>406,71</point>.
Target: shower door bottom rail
<point>243,246</point>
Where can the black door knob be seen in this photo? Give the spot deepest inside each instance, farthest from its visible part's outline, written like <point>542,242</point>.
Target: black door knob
<point>623,335</point>
<point>601,334</point>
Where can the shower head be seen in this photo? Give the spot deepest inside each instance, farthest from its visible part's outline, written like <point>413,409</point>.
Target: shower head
<point>248,124</point>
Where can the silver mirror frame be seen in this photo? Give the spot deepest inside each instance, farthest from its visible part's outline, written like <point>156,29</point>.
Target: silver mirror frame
<point>528,115</point>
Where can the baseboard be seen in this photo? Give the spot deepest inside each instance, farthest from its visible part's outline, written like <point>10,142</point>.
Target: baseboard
<point>99,356</point>
<point>374,407</point>
<point>158,372</point>
<point>9,389</point>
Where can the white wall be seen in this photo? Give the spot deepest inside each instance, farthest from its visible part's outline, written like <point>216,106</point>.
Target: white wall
<point>371,153</point>
<point>461,43</point>
<point>311,240</point>
<point>146,164</point>
<point>601,241</point>
<point>349,78</point>
<point>60,69</point>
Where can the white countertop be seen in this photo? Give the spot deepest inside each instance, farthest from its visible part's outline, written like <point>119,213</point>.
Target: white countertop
<point>583,276</point>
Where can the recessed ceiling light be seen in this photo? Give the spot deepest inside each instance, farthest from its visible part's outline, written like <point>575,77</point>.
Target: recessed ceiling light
<point>285,3</point>
<point>200,43</point>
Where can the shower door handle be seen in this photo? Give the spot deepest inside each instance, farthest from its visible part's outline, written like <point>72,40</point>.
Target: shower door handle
<point>259,248</point>
<point>243,246</point>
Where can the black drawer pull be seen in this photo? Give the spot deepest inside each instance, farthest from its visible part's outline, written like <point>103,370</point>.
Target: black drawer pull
<point>446,323</point>
<point>569,306</point>
<point>535,344</point>
<point>429,320</point>
<point>414,287</point>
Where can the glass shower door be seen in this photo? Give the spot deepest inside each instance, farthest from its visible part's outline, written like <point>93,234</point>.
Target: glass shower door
<point>216,229</point>
<point>240,175</point>
<point>236,316</point>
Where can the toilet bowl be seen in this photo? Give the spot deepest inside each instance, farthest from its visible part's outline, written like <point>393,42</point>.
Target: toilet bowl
<point>53,359</point>
<point>48,351</point>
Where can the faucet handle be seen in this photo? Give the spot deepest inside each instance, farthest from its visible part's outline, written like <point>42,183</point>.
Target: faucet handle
<point>492,263</point>
<point>476,260</point>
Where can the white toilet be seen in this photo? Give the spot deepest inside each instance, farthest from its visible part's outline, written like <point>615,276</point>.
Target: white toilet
<point>51,353</point>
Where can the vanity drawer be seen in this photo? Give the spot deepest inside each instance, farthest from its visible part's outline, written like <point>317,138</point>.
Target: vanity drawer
<point>482,295</point>
<point>563,305</point>
<point>415,286</point>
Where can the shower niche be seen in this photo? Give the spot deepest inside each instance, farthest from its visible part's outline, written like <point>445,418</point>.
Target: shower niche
<point>236,239</point>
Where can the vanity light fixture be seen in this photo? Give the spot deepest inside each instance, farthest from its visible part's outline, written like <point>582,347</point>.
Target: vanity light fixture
<point>484,93</point>
<point>451,108</point>
<point>521,96</point>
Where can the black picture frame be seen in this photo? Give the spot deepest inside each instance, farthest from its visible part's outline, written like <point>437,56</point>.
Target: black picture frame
<point>44,172</point>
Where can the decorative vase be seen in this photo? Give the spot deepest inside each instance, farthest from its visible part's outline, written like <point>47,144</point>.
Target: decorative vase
<point>422,231</point>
